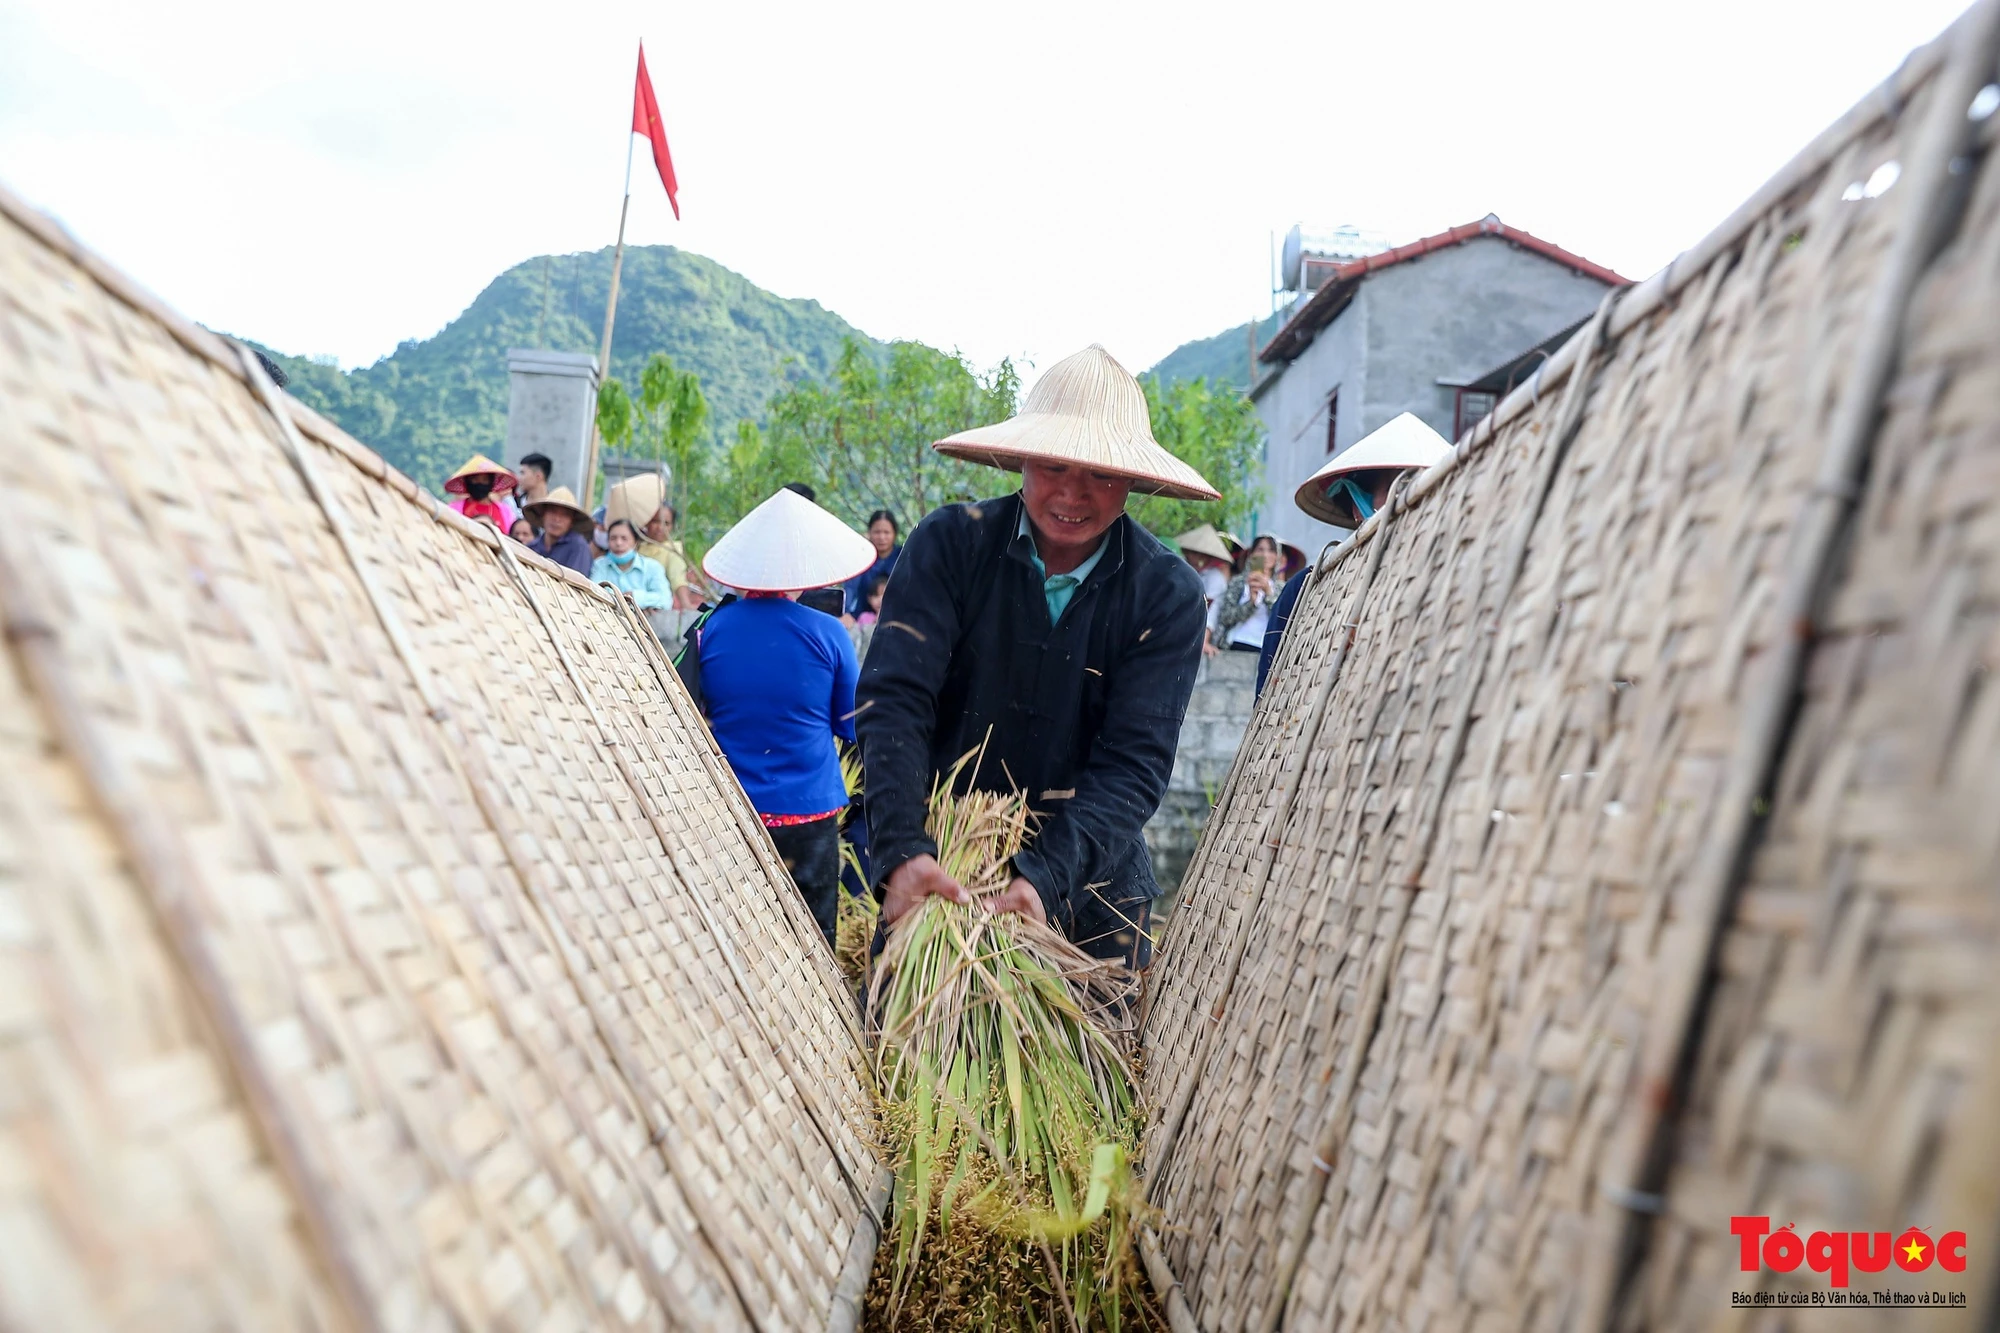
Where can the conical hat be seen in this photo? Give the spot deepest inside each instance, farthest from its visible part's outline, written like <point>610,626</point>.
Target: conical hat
<point>1205,540</point>
<point>635,498</point>
<point>481,465</point>
<point>786,544</point>
<point>561,498</point>
<point>1405,442</point>
<point>1087,410</point>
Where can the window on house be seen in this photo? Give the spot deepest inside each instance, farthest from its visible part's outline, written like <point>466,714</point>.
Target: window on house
<point>1332,421</point>
<point>1472,405</point>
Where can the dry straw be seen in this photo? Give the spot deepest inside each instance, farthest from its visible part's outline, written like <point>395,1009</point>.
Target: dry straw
<point>1631,869</point>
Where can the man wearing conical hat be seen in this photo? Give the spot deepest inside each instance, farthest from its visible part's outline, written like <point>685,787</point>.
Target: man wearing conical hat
<point>1347,492</point>
<point>563,523</point>
<point>479,489</point>
<point>1058,632</point>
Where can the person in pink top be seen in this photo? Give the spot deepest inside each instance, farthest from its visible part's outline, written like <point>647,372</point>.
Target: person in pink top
<point>479,490</point>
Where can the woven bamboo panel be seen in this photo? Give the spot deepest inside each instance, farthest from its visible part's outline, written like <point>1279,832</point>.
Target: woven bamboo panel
<point>450,987</point>
<point>1480,892</point>
<point>1848,1070</point>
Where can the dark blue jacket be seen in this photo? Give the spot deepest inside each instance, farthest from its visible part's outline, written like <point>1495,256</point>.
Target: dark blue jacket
<point>572,550</point>
<point>1083,714</point>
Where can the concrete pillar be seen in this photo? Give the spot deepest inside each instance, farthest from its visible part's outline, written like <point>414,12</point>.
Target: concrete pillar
<point>551,401</point>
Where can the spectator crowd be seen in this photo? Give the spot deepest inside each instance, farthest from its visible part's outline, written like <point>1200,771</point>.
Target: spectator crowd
<point>786,604</point>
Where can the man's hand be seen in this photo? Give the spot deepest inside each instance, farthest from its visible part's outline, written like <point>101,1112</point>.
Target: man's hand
<point>1020,896</point>
<point>916,879</point>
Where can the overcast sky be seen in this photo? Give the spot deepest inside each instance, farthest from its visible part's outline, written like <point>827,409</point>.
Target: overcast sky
<point>1006,179</point>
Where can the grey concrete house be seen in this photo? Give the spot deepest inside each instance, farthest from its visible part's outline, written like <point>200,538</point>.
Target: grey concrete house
<point>1420,328</point>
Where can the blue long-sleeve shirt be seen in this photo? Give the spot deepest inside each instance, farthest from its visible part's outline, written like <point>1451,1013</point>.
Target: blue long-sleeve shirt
<point>778,680</point>
<point>643,578</point>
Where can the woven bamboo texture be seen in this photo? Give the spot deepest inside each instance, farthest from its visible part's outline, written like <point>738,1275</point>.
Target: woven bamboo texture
<point>383,942</point>
<point>1463,861</point>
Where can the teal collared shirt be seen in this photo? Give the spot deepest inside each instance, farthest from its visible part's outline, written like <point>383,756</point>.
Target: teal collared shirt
<point>1057,589</point>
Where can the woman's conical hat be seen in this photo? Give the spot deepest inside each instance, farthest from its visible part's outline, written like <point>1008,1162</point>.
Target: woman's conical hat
<point>1205,540</point>
<point>786,544</point>
<point>1405,443</point>
<point>561,498</point>
<point>636,499</point>
<point>1085,410</point>
<point>480,465</point>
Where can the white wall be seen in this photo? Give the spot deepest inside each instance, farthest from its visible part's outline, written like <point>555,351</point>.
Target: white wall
<point>1293,410</point>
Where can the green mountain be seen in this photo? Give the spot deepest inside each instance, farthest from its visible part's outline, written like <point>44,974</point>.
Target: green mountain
<point>434,401</point>
<point>1223,359</point>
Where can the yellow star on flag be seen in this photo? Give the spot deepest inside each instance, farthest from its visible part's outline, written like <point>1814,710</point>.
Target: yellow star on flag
<point>1914,1250</point>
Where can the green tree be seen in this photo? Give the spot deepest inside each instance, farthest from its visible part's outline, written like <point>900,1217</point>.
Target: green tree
<point>665,423</point>
<point>862,438</point>
<point>1214,430</point>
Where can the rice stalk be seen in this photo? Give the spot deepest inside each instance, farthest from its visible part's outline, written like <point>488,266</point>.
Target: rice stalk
<point>854,923</point>
<point>1001,1058</point>
<point>854,917</point>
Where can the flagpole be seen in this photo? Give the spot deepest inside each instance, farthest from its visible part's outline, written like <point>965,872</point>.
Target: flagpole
<point>610,315</point>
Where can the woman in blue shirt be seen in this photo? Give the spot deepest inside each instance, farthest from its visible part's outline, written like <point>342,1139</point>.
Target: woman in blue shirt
<point>777,682</point>
<point>882,534</point>
<point>628,571</point>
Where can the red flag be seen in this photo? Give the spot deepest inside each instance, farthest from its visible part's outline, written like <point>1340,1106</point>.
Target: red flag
<point>646,121</point>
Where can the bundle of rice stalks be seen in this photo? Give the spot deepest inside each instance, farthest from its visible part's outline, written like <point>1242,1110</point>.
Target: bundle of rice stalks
<point>1001,1060</point>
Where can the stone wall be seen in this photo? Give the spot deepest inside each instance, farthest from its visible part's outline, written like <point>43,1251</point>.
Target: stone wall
<point>1224,694</point>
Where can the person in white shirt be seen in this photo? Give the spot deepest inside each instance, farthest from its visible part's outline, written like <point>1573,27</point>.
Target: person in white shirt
<point>1244,608</point>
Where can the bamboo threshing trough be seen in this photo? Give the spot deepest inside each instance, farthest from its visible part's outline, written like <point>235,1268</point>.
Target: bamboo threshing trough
<point>1617,846</point>
<point>383,942</point>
